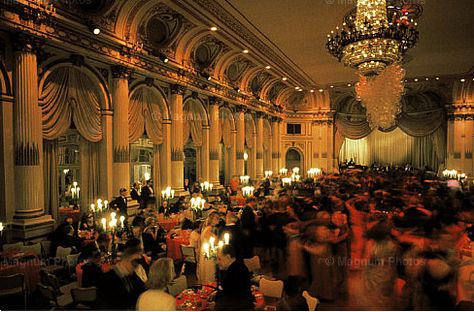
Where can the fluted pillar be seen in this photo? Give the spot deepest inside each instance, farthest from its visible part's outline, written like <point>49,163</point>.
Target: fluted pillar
<point>275,150</point>
<point>233,154</point>
<point>29,220</point>
<point>121,146</point>
<point>253,157</point>
<point>177,145</point>
<point>165,155</point>
<point>106,157</point>
<point>240,142</point>
<point>215,135</point>
<point>205,154</point>
<point>259,156</point>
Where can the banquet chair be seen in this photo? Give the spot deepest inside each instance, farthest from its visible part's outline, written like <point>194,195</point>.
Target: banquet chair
<point>84,298</point>
<point>63,293</point>
<point>273,289</point>
<point>45,248</point>
<point>177,286</point>
<point>311,301</point>
<point>188,254</point>
<point>13,285</point>
<point>13,246</point>
<point>71,261</point>
<point>48,293</point>
<point>35,248</point>
<point>63,252</point>
<point>253,264</point>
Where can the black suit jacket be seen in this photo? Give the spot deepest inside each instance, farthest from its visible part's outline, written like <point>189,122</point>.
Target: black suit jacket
<point>134,195</point>
<point>235,293</point>
<point>117,293</point>
<point>121,204</point>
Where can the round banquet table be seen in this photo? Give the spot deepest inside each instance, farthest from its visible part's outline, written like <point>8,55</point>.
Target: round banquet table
<point>104,266</point>
<point>168,224</point>
<point>26,263</point>
<point>173,243</point>
<point>196,300</point>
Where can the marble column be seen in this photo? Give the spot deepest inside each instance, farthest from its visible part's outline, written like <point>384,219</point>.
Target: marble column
<point>253,157</point>
<point>165,155</point>
<point>29,220</point>
<point>259,156</point>
<point>205,154</point>
<point>106,190</point>
<point>275,150</point>
<point>215,136</point>
<point>177,144</point>
<point>121,146</point>
<point>233,155</point>
<point>240,141</point>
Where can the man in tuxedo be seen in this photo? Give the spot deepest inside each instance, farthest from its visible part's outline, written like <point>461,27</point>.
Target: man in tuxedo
<point>135,192</point>
<point>147,192</point>
<point>121,203</point>
<point>235,282</point>
<point>120,288</point>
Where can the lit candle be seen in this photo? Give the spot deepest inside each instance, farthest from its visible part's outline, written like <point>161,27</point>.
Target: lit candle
<point>211,241</point>
<point>122,219</point>
<point>93,207</point>
<point>1,226</point>
<point>112,215</point>
<point>106,204</point>
<point>74,184</point>
<point>226,238</point>
<point>172,193</point>
<point>104,223</point>
<point>221,244</point>
<point>78,189</point>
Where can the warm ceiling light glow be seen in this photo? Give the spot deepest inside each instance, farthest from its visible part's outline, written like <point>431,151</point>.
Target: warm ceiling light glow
<point>245,51</point>
<point>312,91</point>
<point>332,87</point>
<point>296,88</point>
<point>213,28</point>
<point>415,80</point>
<point>96,30</point>
<point>349,85</point>
<point>427,78</point>
<point>300,90</point>
<point>268,67</point>
<point>284,78</point>
<point>321,90</point>
<point>437,78</point>
<point>463,80</point>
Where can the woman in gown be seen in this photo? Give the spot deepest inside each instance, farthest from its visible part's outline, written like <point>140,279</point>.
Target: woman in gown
<point>207,267</point>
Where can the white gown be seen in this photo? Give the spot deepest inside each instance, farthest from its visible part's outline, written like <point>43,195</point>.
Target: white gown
<point>206,267</point>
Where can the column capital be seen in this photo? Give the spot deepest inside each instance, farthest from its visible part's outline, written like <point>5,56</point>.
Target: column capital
<point>261,115</point>
<point>214,100</point>
<point>119,71</point>
<point>241,108</point>
<point>23,42</point>
<point>177,89</point>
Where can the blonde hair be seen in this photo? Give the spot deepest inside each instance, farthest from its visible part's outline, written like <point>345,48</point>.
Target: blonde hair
<point>161,273</point>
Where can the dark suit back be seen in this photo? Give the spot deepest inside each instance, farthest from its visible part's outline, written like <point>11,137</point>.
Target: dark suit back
<point>236,293</point>
<point>116,293</point>
<point>121,204</point>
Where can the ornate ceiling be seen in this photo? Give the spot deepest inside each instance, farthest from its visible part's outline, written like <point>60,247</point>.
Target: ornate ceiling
<point>298,28</point>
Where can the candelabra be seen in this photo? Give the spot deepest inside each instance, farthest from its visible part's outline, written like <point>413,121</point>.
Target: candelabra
<point>295,177</point>
<point>247,191</point>
<point>283,171</point>
<point>167,193</point>
<point>286,181</point>
<point>268,174</point>
<point>206,186</point>
<point>244,179</point>
<point>450,174</point>
<point>210,248</point>
<point>295,170</point>
<point>75,191</point>
<point>312,172</point>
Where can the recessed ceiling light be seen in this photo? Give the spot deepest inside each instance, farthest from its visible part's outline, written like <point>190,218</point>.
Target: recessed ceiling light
<point>95,30</point>
<point>300,90</point>
<point>321,90</point>
<point>349,85</point>
<point>284,78</point>
<point>463,80</point>
<point>268,67</point>
<point>427,78</point>
<point>332,87</point>
<point>245,51</point>
<point>415,80</point>
<point>312,91</point>
<point>437,78</point>
<point>296,88</point>
<point>213,28</point>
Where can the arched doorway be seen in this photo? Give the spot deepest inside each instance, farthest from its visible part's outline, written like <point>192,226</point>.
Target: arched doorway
<point>293,158</point>
<point>141,160</point>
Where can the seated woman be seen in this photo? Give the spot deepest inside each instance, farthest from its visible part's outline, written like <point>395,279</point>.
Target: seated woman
<point>156,297</point>
<point>87,222</point>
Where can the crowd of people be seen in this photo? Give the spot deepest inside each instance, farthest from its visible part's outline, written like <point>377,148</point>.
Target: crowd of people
<point>367,239</point>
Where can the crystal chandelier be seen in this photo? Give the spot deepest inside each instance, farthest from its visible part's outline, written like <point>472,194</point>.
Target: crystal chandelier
<point>376,38</point>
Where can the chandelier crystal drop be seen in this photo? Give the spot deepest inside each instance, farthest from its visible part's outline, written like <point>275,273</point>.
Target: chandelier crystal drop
<point>377,38</point>
<point>381,96</point>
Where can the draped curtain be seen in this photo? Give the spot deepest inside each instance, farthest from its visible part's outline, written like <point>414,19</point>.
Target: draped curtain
<point>90,167</point>
<point>51,181</point>
<point>249,134</point>
<point>69,93</point>
<point>144,114</point>
<point>156,165</point>
<point>226,133</point>
<point>193,126</point>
